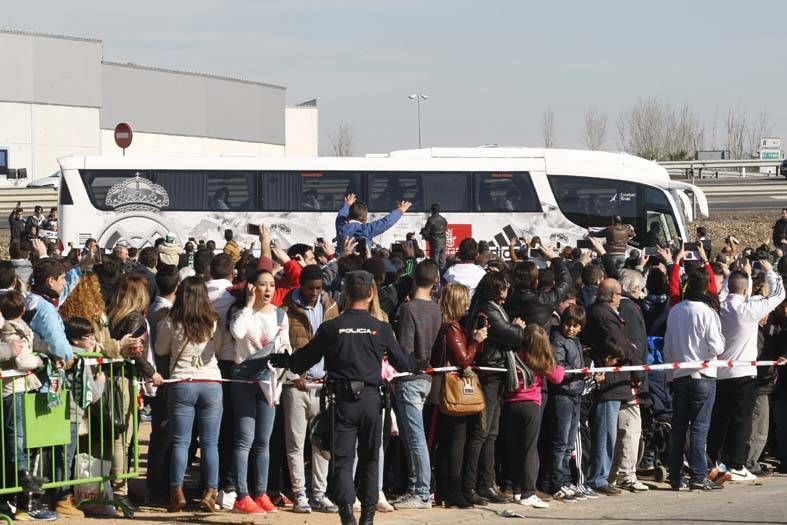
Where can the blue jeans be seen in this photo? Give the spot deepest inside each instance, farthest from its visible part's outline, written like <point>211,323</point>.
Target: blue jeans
<point>187,400</point>
<point>254,419</point>
<point>14,415</point>
<point>692,406</point>
<point>565,412</point>
<point>604,430</point>
<point>410,398</point>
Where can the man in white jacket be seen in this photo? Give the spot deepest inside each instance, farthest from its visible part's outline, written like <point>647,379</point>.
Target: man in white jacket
<point>693,334</point>
<point>736,389</point>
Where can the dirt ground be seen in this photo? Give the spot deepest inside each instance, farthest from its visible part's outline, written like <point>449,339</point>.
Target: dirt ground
<point>752,228</point>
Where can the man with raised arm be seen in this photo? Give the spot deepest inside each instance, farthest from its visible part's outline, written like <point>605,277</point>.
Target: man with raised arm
<point>351,221</point>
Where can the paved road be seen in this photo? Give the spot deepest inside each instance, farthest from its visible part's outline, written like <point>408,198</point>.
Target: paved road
<point>746,194</point>
<point>761,503</point>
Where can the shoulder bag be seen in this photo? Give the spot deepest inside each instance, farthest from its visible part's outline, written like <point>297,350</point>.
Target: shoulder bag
<point>461,393</point>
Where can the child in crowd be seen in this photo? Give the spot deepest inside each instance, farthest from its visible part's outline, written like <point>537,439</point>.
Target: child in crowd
<point>17,354</point>
<point>81,333</point>
<point>564,403</point>
<point>523,411</point>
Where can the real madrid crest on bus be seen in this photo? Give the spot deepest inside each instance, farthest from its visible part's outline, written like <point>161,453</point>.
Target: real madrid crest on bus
<point>136,194</point>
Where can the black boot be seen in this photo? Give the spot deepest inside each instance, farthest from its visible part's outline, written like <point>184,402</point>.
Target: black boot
<point>452,494</point>
<point>493,495</point>
<point>346,514</point>
<point>473,497</point>
<point>367,515</point>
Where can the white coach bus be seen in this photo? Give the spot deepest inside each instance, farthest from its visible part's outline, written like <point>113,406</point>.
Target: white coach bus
<point>492,194</point>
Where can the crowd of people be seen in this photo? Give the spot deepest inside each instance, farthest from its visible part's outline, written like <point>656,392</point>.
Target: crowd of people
<point>215,333</point>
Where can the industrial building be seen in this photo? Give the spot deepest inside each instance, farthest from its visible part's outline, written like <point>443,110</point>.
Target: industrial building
<point>60,97</point>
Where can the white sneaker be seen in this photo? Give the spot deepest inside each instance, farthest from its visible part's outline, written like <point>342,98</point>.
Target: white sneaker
<point>517,496</point>
<point>535,502</point>
<point>382,503</point>
<point>226,500</point>
<point>301,504</point>
<point>742,475</point>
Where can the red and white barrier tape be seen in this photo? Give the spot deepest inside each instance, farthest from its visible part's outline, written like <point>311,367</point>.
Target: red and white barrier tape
<point>309,384</point>
<point>690,365</point>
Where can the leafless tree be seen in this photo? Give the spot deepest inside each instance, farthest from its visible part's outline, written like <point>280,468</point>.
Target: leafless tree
<point>548,127</point>
<point>683,134</point>
<point>659,131</point>
<point>714,133</point>
<point>342,141</point>
<point>595,130</point>
<point>641,128</point>
<point>736,132</point>
<point>759,129</point>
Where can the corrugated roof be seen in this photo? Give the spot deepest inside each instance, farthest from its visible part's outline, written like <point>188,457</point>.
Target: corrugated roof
<point>191,73</point>
<point>50,35</point>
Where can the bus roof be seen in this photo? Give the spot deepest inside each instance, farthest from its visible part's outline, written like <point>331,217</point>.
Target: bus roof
<point>613,165</point>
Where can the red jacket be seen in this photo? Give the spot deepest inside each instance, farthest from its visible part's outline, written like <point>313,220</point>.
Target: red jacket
<point>674,291</point>
<point>291,278</point>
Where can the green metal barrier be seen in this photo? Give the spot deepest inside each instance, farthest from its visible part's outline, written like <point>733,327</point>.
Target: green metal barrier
<point>50,432</point>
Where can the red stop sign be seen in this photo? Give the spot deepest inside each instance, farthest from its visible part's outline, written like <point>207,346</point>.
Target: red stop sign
<point>123,135</point>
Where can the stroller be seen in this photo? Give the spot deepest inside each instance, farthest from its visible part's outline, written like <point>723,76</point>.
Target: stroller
<point>656,417</point>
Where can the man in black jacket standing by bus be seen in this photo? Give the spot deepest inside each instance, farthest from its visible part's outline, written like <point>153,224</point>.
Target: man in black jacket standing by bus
<point>353,346</point>
<point>434,232</point>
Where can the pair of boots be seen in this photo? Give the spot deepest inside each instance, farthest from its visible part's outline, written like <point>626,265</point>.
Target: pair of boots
<point>452,495</point>
<point>348,518</point>
<point>177,500</point>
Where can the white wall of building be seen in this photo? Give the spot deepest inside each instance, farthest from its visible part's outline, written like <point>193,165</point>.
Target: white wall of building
<point>37,134</point>
<point>155,144</point>
<point>301,131</point>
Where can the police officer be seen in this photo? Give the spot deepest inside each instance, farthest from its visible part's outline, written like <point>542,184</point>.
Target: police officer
<point>353,346</point>
<point>434,232</point>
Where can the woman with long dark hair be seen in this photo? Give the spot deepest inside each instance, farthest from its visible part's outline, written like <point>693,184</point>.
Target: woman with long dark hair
<point>504,336</point>
<point>259,329</point>
<point>183,336</point>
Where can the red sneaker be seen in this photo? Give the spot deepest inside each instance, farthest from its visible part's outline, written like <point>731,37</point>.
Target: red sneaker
<point>247,506</point>
<point>265,503</point>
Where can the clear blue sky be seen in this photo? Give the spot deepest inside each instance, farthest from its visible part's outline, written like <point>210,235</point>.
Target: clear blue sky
<point>490,68</point>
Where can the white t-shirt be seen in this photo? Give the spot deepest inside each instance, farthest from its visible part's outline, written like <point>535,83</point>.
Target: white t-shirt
<point>468,274</point>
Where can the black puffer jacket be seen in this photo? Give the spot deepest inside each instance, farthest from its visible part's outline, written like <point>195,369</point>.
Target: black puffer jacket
<point>502,336</point>
<point>537,307</point>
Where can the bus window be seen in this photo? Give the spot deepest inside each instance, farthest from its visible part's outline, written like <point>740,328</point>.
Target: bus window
<point>505,192</point>
<point>65,193</point>
<point>98,183</point>
<point>590,202</point>
<point>388,189</point>
<point>450,190</point>
<point>326,191</point>
<point>207,190</point>
<point>281,191</point>
<point>659,211</point>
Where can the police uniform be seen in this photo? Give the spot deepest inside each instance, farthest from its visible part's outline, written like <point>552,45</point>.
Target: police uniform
<point>353,345</point>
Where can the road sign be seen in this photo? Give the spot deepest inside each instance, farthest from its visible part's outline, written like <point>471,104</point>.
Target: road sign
<point>123,136</point>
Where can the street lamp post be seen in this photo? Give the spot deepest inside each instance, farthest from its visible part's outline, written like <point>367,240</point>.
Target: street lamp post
<point>418,97</point>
